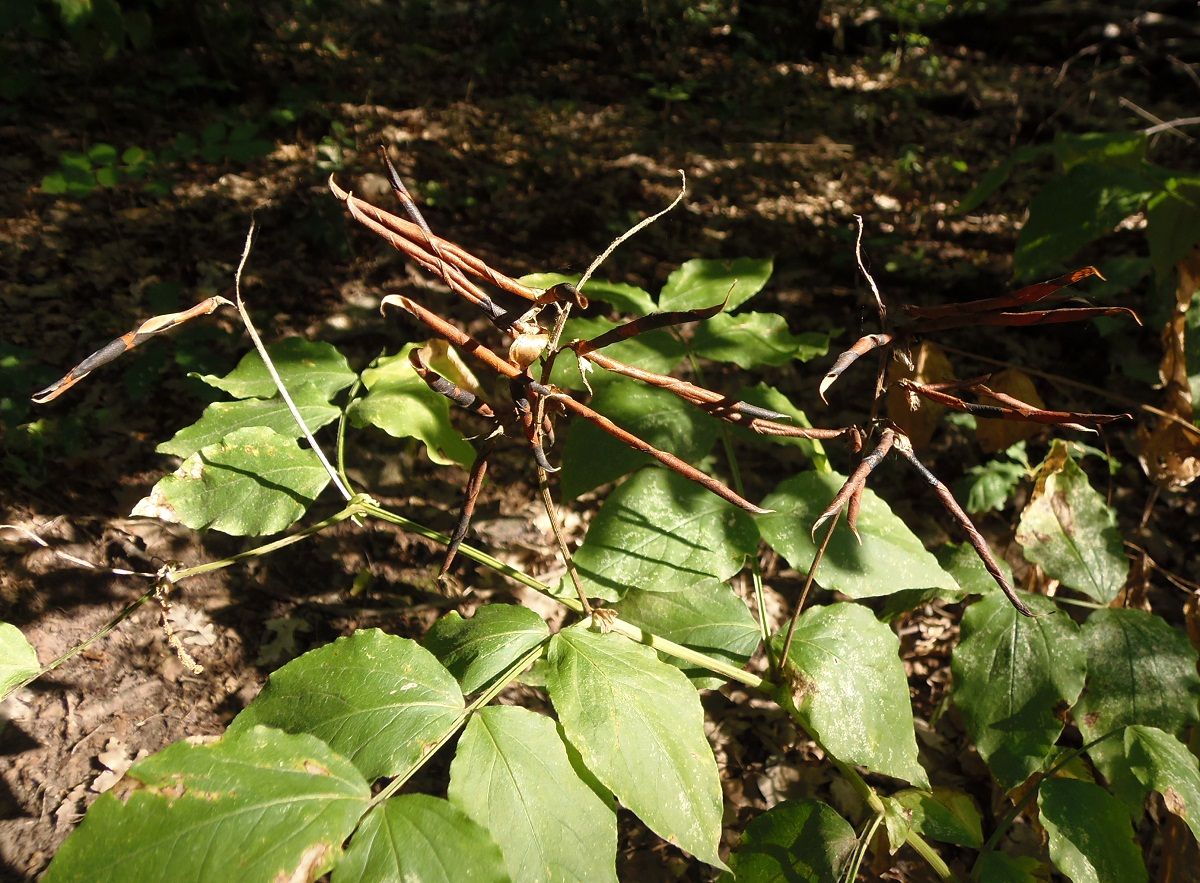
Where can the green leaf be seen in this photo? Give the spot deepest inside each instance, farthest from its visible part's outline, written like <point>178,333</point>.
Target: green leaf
<point>1163,763</point>
<point>1012,674</point>
<point>376,699</point>
<point>1173,223</point>
<point>1105,148</point>
<point>708,617</point>
<point>751,340</point>
<point>18,659</point>
<point>944,814</point>
<point>657,351</point>
<point>258,806</point>
<point>638,725</point>
<point>704,283</point>
<point>402,405</point>
<point>592,457</point>
<point>621,297</point>
<point>993,179</point>
<point>1070,532</point>
<point>416,837</point>
<point>848,683</point>
<point>662,533</point>
<point>475,650</point>
<point>102,154</point>
<point>254,481</point>
<point>297,360</point>
<point>55,184</point>
<point>1091,840</point>
<point>962,562</point>
<point>797,840</point>
<point>773,400</point>
<point>996,867</point>
<point>513,775</point>
<point>222,418</point>
<point>890,558</point>
<point>1140,670</point>
<point>1075,208</point>
<point>990,485</point>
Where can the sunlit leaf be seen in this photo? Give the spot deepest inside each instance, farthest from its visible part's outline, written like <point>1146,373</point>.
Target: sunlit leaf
<point>375,698</point>
<point>592,457</point>
<point>620,296</point>
<point>657,351</point>
<point>222,418</point>
<point>475,650</point>
<point>1091,840</point>
<point>751,340</point>
<point>402,405</point>
<point>1163,763</point>
<point>889,559</point>
<point>1140,671</point>
<point>258,806</point>
<point>638,725</point>
<point>513,775</point>
<point>423,839</point>
<point>18,659</point>
<point>663,533</point>
<point>801,841</point>
<point>942,814</point>
<point>297,360</point>
<point>848,682</point>
<point>1012,674</point>
<point>254,481</point>
<point>1070,531</point>
<point>708,617</point>
<point>703,283</point>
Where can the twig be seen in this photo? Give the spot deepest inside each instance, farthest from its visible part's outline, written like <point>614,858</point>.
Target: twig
<point>262,352</point>
<point>808,582</point>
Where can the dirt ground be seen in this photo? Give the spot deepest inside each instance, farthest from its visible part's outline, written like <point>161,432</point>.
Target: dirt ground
<point>534,167</point>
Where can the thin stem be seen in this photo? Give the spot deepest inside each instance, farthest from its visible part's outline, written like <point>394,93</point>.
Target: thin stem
<point>341,434</point>
<point>357,506</point>
<point>509,674</point>
<point>687,654</point>
<point>860,849</point>
<point>126,612</point>
<point>556,527</point>
<point>812,573</point>
<point>262,352</point>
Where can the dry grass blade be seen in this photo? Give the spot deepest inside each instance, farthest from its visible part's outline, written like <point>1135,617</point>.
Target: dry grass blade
<point>1012,409</point>
<point>1028,295</point>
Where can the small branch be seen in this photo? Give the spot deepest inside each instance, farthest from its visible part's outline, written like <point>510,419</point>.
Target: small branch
<point>262,352</point>
<point>808,582</point>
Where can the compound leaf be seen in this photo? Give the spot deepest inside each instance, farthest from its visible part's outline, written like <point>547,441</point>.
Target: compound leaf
<point>475,650</point>
<point>375,698</point>
<point>513,775</point>
<point>638,726</point>
<point>796,840</point>
<point>848,683</point>
<point>1012,673</point>
<point>663,533</point>
<point>259,805</point>
<point>889,559</point>
<point>420,838</point>
<point>254,481</point>
<point>1091,840</point>
<point>297,360</point>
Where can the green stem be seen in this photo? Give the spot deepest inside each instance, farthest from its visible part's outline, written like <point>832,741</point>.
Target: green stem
<point>506,677</point>
<point>687,654</point>
<point>356,506</point>
<point>860,850</point>
<point>341,434</point>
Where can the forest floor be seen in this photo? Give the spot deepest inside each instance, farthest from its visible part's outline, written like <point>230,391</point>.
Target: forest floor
<point>535,167</point>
